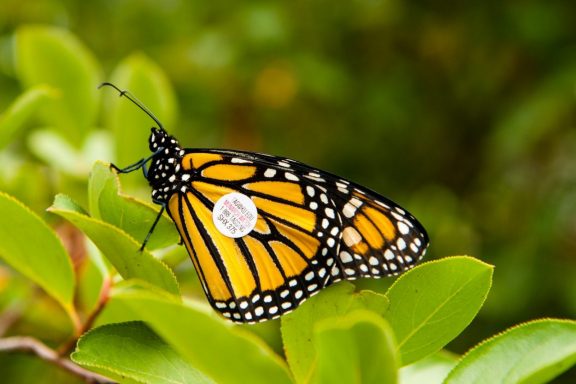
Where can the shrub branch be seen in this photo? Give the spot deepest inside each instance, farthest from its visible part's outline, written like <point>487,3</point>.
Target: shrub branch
<point>31,345</point>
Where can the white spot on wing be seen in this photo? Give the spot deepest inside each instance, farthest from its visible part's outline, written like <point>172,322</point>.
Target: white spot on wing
<point>401,244</point>
<point>310,191</point>
<point>345,257</point>
<point>349,271</point>
<point>403,228</point>
<point>291,176</point>
<point>237,160</point>
<point>356,202</point>
<point>351,236</point>
<point>349,210</point>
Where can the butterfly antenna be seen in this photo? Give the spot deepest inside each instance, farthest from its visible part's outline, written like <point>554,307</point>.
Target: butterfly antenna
<point>134,100</point>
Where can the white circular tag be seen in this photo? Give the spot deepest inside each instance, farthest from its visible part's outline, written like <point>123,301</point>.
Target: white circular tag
<point>235,215</point>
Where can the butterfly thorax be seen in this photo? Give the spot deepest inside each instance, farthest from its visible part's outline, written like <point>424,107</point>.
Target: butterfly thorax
<point>165,174</point>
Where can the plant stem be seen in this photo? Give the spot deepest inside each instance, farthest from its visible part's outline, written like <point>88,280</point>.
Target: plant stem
<point>102,300</point>
<point>11,315</point>
<point>67,347</point>
<point>32,345</point>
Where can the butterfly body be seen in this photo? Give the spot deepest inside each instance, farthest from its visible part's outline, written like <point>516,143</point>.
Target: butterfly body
<point>310,228</point>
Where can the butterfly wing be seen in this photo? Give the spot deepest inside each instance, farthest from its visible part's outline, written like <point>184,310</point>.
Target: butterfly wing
<point>377,237</point>
<point>312,229</point>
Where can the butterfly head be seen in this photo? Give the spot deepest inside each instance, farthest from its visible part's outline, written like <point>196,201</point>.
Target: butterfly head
<point>160,139</point>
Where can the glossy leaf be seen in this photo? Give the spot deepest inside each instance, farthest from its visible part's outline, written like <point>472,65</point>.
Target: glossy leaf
<point>534,352</point>
<point>223,352</point>
<point>129,214</point>
<point>357,348</point>
<point>430,370</point>
<point>21,109</point>
<point>131,126</point>
<point>297,327</point>
<point>119,248</point>
<point>53,56</point>
<point>133,353</point>
<point>29,246</point>
<point>432,303</point>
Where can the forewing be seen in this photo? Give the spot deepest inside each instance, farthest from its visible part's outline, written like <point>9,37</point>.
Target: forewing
<point>283,261</point>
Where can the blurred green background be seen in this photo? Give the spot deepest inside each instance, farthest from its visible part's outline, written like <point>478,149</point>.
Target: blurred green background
<point>464,113</point>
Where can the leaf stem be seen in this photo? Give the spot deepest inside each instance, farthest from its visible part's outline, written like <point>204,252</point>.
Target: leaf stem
<point>77,325</point>
<point>67,347</point>
<point>102,300</point>
<point>10,316</point>
<point>32,345</point>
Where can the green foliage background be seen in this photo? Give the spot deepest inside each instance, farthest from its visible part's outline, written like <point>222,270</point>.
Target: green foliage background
<point>462,113</point>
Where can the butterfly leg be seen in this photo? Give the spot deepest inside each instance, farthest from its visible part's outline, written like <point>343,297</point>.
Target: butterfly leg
<point>129,168</point>
<point>145,170</point>
<point>163,205</point>
<point>137,165</point>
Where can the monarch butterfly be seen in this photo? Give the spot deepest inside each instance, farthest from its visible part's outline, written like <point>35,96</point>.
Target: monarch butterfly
<point>264,232</point>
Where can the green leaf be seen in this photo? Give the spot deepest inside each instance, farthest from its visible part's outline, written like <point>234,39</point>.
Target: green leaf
<point>133,353</point>
<point>116,310</point>
<point>21,110</point>
<point>119,248</point>
<point>220,350</point>
<point>53,56</point>
<point>50,146</point>
<point>131,126</point>
<point>29,245</point>
<point>358,348</point>
<point>430,370</point>
<point>534,352</point>
<point>297,327</point>
<point>432,303</point>
<point>131,215</point>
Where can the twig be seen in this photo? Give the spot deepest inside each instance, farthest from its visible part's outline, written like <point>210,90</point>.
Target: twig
<point>10,316</point>
<point>67,347</point>
<point>102,300</point>
<point>32,345</point>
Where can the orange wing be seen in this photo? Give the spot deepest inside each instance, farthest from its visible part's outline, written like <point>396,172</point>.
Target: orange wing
<point>312,229</point>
